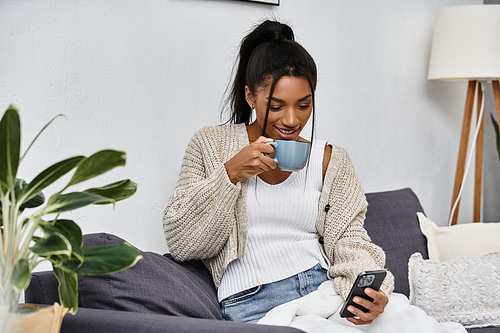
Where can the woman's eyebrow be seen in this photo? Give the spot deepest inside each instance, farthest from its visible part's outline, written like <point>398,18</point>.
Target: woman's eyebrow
<point>282,101</point>
<point>304,98</point>
<point>276,99</point>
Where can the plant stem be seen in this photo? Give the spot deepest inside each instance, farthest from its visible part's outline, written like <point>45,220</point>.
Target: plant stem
<point>29,237</point>
<point>6,222</point>
<point>7,247</point>
<point>5,203</point>
<point>12,223</point>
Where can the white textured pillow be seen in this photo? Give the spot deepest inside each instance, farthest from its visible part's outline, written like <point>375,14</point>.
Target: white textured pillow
<point>462,290</point>
<point>461,240</point>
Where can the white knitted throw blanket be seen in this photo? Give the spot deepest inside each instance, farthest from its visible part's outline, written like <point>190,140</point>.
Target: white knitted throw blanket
<point>318,312</point>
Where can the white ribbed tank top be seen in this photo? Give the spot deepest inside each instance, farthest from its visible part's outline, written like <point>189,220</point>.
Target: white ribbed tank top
<point>282,235</point>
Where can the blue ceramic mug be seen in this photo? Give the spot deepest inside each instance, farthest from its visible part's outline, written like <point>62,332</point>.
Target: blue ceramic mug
<point>290,155</point>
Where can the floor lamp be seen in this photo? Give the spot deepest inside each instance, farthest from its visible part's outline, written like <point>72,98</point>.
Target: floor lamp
<point>466,46</point>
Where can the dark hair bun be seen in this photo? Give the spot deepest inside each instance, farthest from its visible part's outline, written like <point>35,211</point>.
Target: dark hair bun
<point>267,31</point>
<point>270,31</point>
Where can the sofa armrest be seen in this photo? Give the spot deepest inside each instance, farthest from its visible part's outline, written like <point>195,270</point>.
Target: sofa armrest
<point>42,288</point>
<point>110,321</point>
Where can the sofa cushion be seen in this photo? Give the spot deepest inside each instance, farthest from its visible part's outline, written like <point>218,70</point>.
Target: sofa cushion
<point>156,284</point>
<point>461,290</point>
<point>392,223</point>
<point>461,240</point>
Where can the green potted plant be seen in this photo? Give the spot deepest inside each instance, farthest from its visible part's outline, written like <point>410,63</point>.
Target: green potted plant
<point>31,232</point>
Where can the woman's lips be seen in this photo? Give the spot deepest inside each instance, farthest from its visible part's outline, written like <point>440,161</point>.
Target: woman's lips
<point>286,134</point>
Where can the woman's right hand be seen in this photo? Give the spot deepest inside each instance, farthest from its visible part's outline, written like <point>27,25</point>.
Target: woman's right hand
<point>250,161</point>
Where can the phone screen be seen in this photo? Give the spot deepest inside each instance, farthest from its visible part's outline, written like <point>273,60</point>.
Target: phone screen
<point>372,279</point>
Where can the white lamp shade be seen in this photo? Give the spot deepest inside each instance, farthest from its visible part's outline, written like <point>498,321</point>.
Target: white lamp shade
<point>466,43</point>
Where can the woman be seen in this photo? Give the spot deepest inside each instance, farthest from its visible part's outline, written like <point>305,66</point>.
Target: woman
<point>270,236</point>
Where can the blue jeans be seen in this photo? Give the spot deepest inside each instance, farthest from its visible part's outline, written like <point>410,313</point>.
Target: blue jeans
<point>251,305</point>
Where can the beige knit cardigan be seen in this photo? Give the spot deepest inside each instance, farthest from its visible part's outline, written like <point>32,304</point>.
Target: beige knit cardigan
<point>206,215</point>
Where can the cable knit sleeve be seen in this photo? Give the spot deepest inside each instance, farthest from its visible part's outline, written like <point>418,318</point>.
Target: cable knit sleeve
<point>200,215</point>
<point>346,242</point>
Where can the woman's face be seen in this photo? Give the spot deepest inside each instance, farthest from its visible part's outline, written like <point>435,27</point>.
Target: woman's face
<point>290,109</point>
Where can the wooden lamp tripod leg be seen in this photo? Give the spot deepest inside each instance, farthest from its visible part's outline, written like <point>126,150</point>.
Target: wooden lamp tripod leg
<point>462,153</point>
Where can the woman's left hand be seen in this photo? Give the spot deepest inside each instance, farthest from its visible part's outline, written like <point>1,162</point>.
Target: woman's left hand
<point>375,308</point>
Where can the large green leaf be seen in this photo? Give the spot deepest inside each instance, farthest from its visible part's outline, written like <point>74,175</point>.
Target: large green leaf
<point>75,200</point>
<point>54,244</point>
<point>68,289</point>
<point>97,164</point>
<point>21,275</point>
<point>36,200</point>
<point>497,132</point>
<point>116,191</point>
<point>50,175</point>
<point>70,231</point>
<point>101,260</point>
<point>10,145</point>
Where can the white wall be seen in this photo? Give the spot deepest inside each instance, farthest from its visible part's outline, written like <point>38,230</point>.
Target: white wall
<point>142,76</point>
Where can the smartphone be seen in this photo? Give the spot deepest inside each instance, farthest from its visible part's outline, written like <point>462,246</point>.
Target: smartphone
<point>372,279</point>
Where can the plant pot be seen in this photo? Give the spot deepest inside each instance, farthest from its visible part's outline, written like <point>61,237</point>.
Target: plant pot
<point>32,319</point>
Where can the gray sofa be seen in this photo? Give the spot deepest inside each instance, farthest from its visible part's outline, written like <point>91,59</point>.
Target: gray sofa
<point>162,295</point>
